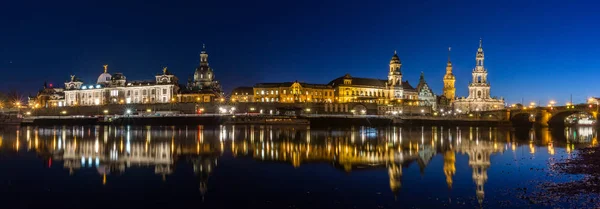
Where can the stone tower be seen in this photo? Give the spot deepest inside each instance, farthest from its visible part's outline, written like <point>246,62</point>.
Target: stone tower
<point>395,76</point>
<point>479,88</point>
<point>449,80</point>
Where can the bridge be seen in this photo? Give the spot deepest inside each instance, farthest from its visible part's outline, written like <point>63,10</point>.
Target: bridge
<point>553,116</point>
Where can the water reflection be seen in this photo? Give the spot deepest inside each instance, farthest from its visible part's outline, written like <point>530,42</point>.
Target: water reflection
<point>113,150</point>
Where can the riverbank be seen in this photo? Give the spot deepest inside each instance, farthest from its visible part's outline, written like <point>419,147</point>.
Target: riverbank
<point>312,120</point>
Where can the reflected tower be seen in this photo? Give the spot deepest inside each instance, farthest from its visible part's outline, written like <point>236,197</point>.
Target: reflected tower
<point>449,168</point>
<point>395,173</point>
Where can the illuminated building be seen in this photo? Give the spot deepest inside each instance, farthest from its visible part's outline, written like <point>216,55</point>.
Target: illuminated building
<point>371,90</point>
<point>202,87</point>
<point>426,95</point>
<point>449,80</point>
<point>292,92</point>
<point>479,98</point>
<point>115,89</point>
<point>242,94</point>
<point>48,97</point>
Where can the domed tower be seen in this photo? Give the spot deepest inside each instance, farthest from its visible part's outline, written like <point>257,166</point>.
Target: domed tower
<point>395,77</point>
<point>479,87</point>
<point>105,77</point>
<point>395,74</point>
<point>203,76</point>
<point>449,80</point>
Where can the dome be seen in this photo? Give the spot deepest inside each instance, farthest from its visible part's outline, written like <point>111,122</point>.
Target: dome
<point>104,78</point>
<point>395,59</point>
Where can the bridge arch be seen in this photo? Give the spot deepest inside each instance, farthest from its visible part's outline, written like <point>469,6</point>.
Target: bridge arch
<point>522,118</point>
<point>558,118</point>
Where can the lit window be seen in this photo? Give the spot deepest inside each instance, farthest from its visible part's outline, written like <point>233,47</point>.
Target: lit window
<point>262,92</point>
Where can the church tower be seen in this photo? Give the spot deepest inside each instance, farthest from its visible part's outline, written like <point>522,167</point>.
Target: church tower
<point>479,89</point>
<point>203,76</point>
<point>395,77</point>
<point>449,80</point>
<point>395,74</point>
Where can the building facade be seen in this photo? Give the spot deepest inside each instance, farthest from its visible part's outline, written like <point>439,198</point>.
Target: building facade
<point>479,98</point>
<point>293,92</point>
<point>48,97</point>
<point>202,87</point>
<point>370,90</point>
<point>425,94</point>
<point>242,94</point>
<point>115,89</point>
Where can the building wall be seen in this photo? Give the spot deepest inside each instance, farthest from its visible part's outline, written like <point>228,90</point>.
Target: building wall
<point>293,94</point>
<point>143,94</point>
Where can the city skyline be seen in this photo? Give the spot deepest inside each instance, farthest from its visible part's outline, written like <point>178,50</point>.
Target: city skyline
<point>297,47</point>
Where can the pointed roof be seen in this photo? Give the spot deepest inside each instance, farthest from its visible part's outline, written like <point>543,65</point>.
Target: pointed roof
<point>480,49</point>
<point>423,83</point>
<point>449,62</point>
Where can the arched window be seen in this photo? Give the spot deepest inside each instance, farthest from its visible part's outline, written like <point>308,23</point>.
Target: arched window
<point>478,79</point>
<point>478,94</point>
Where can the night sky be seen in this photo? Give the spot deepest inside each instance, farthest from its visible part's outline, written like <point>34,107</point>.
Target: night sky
<point>535,51</point>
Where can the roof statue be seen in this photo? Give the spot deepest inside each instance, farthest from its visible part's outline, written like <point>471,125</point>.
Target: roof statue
<point>165,70</point>
<point>105,68</point>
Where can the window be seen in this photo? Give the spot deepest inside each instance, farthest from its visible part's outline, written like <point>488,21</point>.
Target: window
<point>201,76</point>
<point>262,92</point>
<point>276,91</point>
<point>164,91</point>
<point>153,91</point>
<point>128,93</point>
<point>114,93</point>
<point>144,92</point>
<point>136,93</point>
<point>284,91</point>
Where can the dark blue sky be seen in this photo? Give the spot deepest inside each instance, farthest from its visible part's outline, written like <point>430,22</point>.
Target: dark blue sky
<point>536,51</point>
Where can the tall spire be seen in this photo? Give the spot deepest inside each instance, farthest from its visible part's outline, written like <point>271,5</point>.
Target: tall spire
<point>479,58</point>
<point>422,78</point>
<point>449,49</point>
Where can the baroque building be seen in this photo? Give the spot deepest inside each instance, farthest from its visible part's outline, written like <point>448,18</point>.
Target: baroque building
<point>115,89</point>
<point>292,92</point>
<point>47,97</point>
<point>479,98</point>
<point>202,87</point>
<point>370,90</point>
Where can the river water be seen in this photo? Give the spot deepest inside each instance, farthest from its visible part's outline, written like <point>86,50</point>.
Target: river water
<point>280,167</point>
